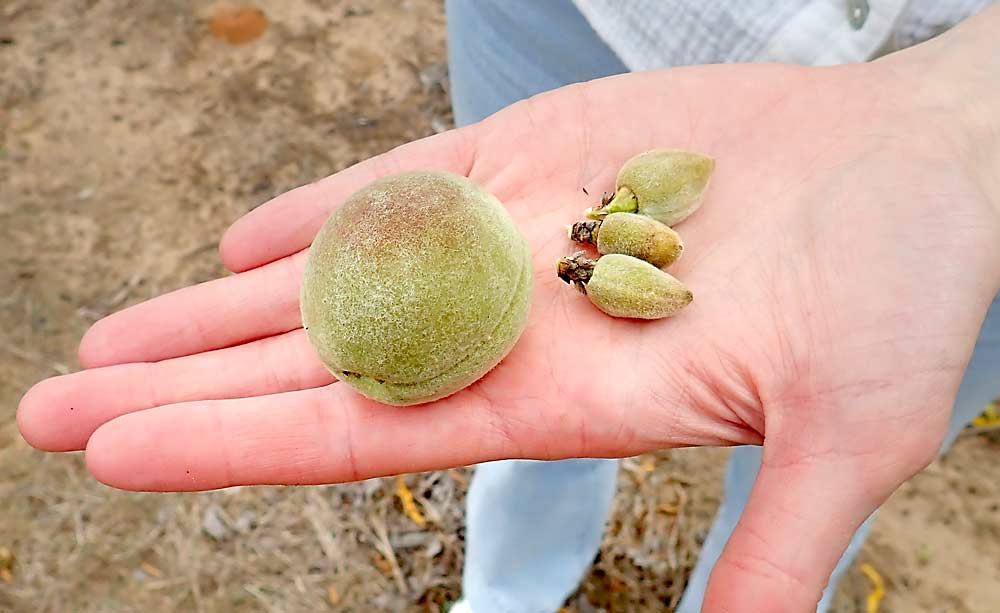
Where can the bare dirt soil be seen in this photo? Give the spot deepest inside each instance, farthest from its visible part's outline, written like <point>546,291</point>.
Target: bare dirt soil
<point>130,137</point>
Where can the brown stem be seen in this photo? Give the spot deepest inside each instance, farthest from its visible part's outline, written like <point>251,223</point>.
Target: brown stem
<point>576,269</point>
<point>585,231</point>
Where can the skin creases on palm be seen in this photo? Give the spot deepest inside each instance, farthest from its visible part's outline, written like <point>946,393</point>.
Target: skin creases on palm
<point>831,314</point>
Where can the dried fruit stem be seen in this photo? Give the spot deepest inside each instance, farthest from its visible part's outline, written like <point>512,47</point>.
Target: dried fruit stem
<point>576,269</point>
<point>623,202</point>
<point>585,232</point>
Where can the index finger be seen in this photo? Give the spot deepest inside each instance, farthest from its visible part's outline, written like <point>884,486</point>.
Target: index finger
<point>289,222</point>
<point>322,435</point>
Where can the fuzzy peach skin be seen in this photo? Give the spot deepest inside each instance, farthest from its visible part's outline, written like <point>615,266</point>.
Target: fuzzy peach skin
<point>624,286</point>
<point>640,237</point>
<point>667,185</point>
<point>416,286</point>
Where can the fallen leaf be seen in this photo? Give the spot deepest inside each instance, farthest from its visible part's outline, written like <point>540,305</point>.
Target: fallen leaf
<point>6,565</point>
<point>333,595</point>
<point>878,588</point>
<point>239,25</point>
<point>150,570</point>
<point>989,417</point>
<point>383,565</point>
<point>648,464</point>
<point>409,506</point>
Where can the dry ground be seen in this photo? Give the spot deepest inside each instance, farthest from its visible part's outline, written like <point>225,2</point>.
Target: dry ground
<point>129,139</point>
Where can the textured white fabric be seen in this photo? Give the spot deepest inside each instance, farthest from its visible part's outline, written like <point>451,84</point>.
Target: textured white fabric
<point>649,34</point>
<point>820,34</point>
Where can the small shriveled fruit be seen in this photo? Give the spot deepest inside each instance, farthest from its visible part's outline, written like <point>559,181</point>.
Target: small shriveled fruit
<point>624,286</point>
<point>631,234</point>
<point>416,286</point>
<point>665,184</point>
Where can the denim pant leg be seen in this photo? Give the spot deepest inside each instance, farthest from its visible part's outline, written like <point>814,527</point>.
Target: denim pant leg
<point>502,51</point>
<point>980,385</point>
<point>532,531</point>
<point>533,528</point>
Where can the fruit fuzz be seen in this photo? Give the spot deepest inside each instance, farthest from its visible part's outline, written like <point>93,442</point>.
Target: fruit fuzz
<point>665,184</point>
<point>631,234</point>
<point>624,286</point>
<point>415,287</point>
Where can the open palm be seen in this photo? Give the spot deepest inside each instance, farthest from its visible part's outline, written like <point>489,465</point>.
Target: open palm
<point>842,264</point>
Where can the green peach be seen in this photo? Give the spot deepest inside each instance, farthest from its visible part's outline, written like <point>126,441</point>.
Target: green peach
<point>631,234</point>
<point>665,184</point>
<point>624,286</point>
<point>416,286</point>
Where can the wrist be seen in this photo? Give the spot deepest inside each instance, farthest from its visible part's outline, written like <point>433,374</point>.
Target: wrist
<point>954,79</point>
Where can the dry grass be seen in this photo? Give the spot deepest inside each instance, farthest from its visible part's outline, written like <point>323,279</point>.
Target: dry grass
<point>346,547</point>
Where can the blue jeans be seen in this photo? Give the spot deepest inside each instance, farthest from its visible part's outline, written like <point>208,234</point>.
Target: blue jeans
<point>533,528</point>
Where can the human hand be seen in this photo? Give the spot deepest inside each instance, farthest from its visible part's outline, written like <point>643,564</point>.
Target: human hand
<point>838,226</point>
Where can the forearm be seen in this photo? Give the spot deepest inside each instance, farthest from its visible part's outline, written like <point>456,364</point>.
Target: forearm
<point>956,77</point>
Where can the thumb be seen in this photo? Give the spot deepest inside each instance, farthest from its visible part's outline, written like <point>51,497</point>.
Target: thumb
<point>797,523</point>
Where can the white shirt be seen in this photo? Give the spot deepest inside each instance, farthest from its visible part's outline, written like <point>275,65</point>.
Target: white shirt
<point>650,34</point>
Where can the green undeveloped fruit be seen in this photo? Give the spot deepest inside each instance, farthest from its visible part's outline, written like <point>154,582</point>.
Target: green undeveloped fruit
<point>665,184</point>
<point>624,286</point>
<point>416,286</point>
<point>631,234</point>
